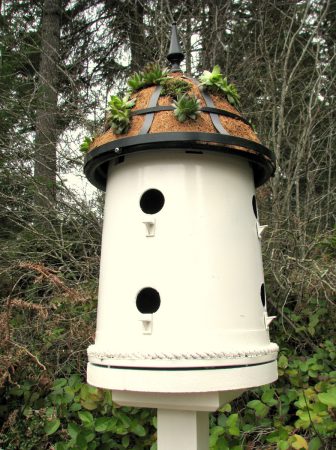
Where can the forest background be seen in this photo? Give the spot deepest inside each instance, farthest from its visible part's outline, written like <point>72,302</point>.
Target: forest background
<point>60,60</point>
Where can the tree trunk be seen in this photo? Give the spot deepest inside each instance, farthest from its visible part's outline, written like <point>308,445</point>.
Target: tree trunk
<point>46,114</point>
<point>137,36</point>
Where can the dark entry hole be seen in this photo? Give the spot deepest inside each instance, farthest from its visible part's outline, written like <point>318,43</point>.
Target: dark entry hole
<point>254,205</point>
<point>148,301</point>
<point>263,295</point>
<point>152,201</point>
<point>195,152</point>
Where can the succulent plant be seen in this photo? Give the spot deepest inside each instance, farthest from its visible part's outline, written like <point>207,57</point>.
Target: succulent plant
<point>214,81</point>
<point>231,92</point>
<point>213,78</point>
<point>151,75</point>
<point>174,87</point>
<point>186,107</point>
<point>119,114</point>
<point>85,145</point>
<point>136,81</point>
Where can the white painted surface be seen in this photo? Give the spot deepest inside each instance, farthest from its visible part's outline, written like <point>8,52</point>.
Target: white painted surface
<point>200,401</point>
<point>174,381</point>
<point>182,430</point>
<point>202,253</point>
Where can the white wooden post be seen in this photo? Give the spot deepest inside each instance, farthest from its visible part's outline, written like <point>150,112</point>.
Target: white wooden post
<point>187,430</point>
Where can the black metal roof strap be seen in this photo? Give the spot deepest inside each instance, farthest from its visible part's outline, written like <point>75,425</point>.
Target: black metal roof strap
<point>149,117</point>
<point>153,109</point>
<point>221,112</point>
<point>214,117</point>
<point>175,55</point>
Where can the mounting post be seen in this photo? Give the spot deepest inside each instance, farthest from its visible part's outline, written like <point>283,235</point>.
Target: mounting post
<point>187,430</point>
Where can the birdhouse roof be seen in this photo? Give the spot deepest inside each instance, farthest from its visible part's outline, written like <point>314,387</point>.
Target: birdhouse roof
<point>164,121</point>
<point>153,123</point>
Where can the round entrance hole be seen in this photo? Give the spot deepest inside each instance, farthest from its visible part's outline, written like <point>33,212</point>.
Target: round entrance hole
<point>263,295</point>
<point>254,205</point>
<point>148,300</point>
<point>152,201</point>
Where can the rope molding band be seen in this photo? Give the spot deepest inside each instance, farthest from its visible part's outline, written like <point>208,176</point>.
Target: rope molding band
<point>103,354</point>
<point>207,109</point>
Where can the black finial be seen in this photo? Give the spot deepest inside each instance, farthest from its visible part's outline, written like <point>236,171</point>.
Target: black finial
<point>175,55</point>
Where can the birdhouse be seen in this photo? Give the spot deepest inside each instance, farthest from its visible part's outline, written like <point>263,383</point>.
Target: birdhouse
<point>182,319</point>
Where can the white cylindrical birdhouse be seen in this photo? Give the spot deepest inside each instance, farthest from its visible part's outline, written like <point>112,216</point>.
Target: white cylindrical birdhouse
<point>182,304</point>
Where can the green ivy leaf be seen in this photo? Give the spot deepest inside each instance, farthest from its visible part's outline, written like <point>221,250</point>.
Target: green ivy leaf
<point>328,398</point>
<point>27,411</point>
<point>315,444</point>
<point>268,397</point>
<point>260,408</point>
<point>58,383</point>
<point>125,441</point>
<point>226,408</point>
<point>281,434</point>
<point>139,430</point>
<point>73,430</point>
<point>52,426</point>
<point>283,362</point>
<point>154,421</point>
<point>222,419</point>
<point>88,435</point>
<point>298,442</point>
<point>213,440</point>
<point>126,421</point>
<point>89,404</point>
<point>103,424</point>
<point>61,446</point>
<point>75,381</point>
<point>232,424</point>
<point>248,427</point>
<point>283,445</point>
<point>75,407</point>
<point>81,441</point>
<point>305,418</point>
<point>50,412</point>
<point>86,417</point>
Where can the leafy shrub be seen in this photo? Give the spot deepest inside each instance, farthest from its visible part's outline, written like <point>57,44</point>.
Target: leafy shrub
<point>214,81</point>
<point>186,107</point>
<point>119,114</point>
<point>296,412</point>
<point>75,416</point>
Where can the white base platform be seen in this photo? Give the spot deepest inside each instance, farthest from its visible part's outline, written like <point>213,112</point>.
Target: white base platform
<point>182,381</point>
<point>202,401</point>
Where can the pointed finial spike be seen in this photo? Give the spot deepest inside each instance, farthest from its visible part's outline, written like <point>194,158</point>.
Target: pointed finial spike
<point>175,55</point>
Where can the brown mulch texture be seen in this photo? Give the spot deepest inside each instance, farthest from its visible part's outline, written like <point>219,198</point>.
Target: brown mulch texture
<point>165,121</point>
